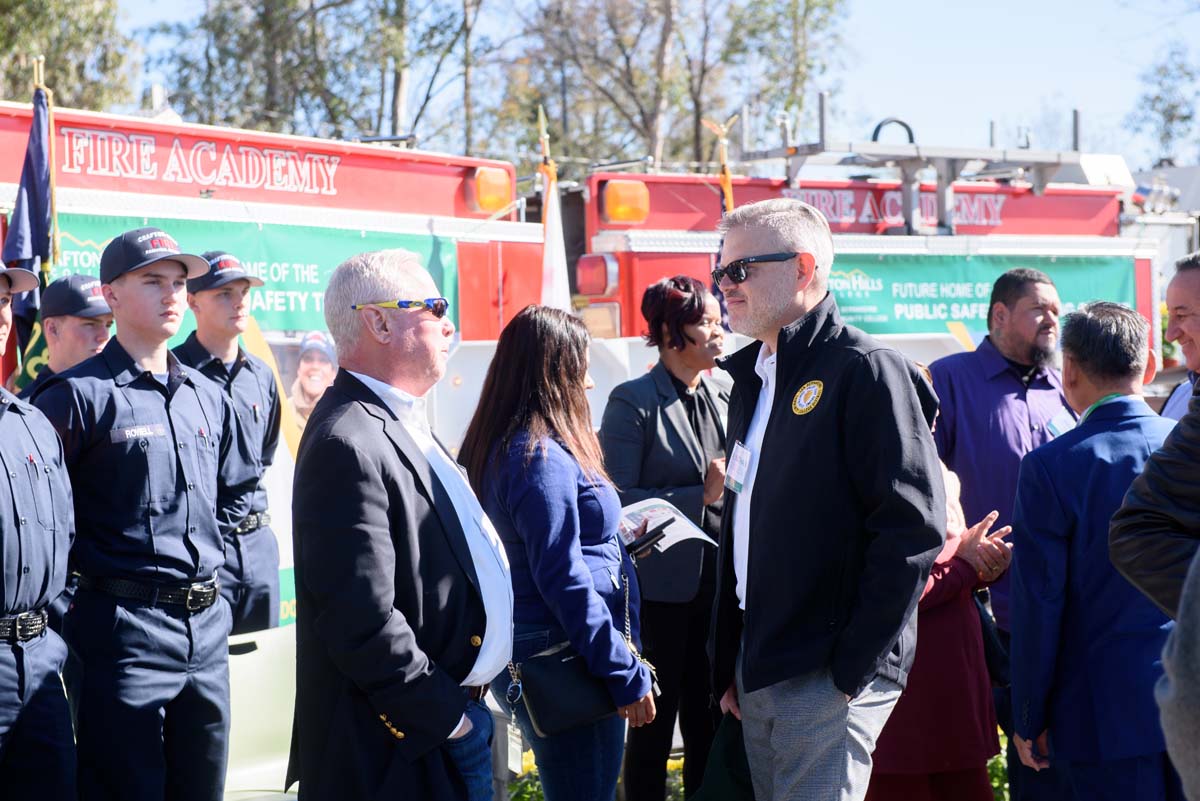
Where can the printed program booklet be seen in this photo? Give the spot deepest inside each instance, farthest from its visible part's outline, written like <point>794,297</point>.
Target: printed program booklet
<point>665,526</point>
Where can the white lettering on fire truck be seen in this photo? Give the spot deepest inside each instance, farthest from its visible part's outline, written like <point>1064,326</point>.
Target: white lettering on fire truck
<point>204,162</point>
<point>847,207</point>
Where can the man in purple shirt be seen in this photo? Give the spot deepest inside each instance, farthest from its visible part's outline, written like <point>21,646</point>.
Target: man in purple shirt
<point>998,404</point>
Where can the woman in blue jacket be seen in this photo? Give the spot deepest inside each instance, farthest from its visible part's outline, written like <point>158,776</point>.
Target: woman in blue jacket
<point>537,468</point>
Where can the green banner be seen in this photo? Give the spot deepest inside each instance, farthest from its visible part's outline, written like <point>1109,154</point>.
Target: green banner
<point>902,294</point>
<point>295,261</point>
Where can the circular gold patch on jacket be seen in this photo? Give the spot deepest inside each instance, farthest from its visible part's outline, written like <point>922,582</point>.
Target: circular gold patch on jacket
<point>807,398</point>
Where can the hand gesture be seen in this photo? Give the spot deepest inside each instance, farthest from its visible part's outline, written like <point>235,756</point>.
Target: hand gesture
<point>987,553</point>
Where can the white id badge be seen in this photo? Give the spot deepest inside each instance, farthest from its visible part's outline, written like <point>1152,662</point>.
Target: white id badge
<point>737,467</point>
<point>1061,423</point>
<point>515,748</point>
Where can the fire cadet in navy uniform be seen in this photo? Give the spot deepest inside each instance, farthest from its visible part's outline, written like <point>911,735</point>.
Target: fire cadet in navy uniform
<point>37,748</point>
<point>147,443</point>
<point>220,299</point>
<point>76,322</point>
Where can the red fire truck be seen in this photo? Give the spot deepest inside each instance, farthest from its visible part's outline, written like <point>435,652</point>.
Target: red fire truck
<point>290,207</point>
<point>915,257</point>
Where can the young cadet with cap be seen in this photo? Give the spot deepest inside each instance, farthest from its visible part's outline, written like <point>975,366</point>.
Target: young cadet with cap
<point>220,299</point>
<point>148,445</point>
<point>37,748</point>
<point>75,323</point>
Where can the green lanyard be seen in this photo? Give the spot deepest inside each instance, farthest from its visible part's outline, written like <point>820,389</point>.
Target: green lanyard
<point>1098,404</point>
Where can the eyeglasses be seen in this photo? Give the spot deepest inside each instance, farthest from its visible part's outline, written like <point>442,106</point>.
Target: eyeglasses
<point>736,270</point>
<point>439,306</point>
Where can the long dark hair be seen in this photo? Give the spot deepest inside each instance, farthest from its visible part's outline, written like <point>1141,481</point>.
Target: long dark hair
<point>535,383</point>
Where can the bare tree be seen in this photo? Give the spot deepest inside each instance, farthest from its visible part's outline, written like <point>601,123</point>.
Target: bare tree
<point>1166,109</point>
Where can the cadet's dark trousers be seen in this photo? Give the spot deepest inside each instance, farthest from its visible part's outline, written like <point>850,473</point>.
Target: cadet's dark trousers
<point>250,580</point>
<point>37,748</point>
<point>154,711</point>
<point>673,639</point>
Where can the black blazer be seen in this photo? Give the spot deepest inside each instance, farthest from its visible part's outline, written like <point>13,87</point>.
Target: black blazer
<point>388,605</point>
<point>650,451</point>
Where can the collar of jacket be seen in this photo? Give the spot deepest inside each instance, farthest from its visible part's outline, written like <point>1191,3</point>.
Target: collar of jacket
<point>125,370</point>
<point>196,356</point>
<point>821,323</point>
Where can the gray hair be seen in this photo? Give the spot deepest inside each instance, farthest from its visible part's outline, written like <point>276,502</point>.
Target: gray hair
<point>801,227</point>
<point>368,278</point>
<point>1107,340</point>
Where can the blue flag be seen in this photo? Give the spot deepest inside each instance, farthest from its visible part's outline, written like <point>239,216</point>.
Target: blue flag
<point>27,244</point>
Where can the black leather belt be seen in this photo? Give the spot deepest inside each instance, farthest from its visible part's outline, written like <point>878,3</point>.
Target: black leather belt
<point>192,597</point>
<point>25,626</point>
<point>253,523</point>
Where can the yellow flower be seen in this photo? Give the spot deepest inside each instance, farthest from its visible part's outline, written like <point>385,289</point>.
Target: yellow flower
<point>674,765</point>
<point>527,764</point>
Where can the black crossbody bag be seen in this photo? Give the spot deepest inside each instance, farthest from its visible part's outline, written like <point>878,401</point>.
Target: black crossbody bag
<point>558,690</point>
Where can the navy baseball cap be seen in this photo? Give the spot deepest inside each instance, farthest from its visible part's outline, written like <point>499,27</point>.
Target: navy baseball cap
<point>19,280</point>
<point>75,295</point>
<point>142,247</point>
<point>321,343</point>
<point>223,269</point>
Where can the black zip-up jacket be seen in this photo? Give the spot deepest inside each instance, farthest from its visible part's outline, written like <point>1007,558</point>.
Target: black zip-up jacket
<point>1155,534</point>
<point>848,512</point>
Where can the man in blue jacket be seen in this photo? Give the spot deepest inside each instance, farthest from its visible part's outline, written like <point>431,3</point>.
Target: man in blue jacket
<point>1086,644</point>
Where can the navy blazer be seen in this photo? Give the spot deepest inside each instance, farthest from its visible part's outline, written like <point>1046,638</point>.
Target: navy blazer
<point>389,613</point>
<point>650,451</point>
<point>1086,645</point>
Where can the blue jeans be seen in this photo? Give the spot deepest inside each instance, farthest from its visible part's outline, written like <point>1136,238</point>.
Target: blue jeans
<point>582,764</point>
<point>472,753</point>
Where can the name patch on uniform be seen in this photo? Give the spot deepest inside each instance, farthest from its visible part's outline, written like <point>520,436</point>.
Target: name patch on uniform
<point>138,432</point>
<point>807,398</point>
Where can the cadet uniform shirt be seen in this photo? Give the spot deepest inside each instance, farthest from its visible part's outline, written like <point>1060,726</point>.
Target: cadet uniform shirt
<point>36,519</point>
<point>33,387</point>
<point>250,385</point>
<point>154,486</point>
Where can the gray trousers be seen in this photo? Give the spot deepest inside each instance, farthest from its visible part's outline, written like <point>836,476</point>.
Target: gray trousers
<point>805,742</point>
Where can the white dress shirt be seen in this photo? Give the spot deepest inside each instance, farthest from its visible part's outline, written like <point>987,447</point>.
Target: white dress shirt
<point>765,367</point>
<point>487,552</point>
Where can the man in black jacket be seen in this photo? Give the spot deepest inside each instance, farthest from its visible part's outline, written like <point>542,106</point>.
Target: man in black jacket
<point>834,512</point>
<point>1155,534</point>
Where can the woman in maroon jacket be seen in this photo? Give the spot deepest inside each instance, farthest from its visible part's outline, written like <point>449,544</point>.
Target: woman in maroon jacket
<point>939,738</point>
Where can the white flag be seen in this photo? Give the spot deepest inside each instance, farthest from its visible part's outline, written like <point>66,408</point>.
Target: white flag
<point>556,287</point>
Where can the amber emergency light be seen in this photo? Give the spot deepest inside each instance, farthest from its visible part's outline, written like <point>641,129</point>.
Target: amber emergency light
<point>624,201</point>
<point>488,189</point>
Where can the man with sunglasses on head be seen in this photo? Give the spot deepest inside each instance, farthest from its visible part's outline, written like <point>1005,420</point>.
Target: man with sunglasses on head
<point>404,602</point>
<point>148,445</point>
<point>220,301</point>
<point>834,513</point>
<point>37,749</point>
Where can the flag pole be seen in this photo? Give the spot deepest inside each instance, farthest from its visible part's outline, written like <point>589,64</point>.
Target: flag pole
<point>39,81</point>
<point>725,178</point>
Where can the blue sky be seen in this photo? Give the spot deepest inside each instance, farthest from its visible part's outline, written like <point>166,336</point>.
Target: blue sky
<point>948,68</point>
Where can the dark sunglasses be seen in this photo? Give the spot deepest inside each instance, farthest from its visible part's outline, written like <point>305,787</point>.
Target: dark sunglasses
<point>736,270</point>
<point>439,306</point>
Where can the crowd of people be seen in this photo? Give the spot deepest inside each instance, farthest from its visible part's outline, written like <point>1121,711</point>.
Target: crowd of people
<point>898,560</point>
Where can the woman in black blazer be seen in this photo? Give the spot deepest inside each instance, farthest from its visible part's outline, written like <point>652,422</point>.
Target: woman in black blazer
<point>663,436</point>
